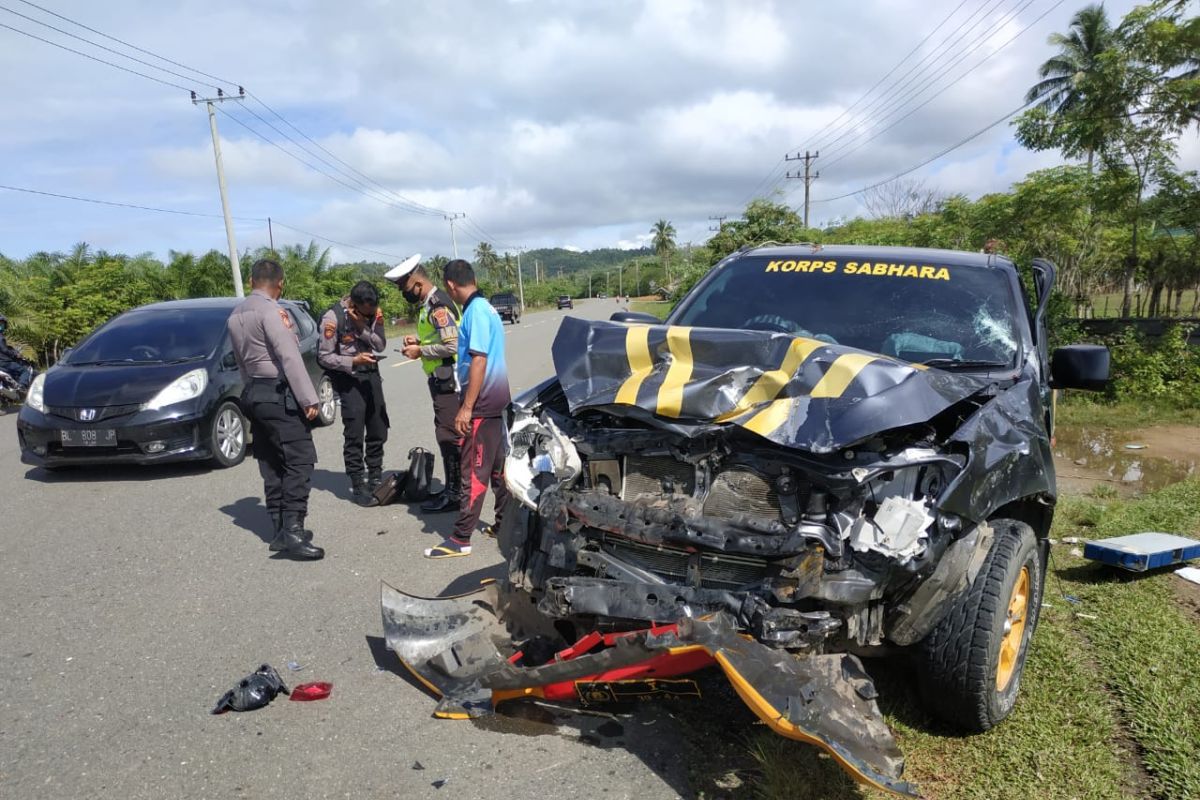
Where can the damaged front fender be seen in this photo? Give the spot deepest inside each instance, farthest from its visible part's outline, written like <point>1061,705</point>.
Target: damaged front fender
<point>484,648</point>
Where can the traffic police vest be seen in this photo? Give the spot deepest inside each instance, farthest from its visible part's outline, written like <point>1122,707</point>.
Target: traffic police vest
<point>438,314</point>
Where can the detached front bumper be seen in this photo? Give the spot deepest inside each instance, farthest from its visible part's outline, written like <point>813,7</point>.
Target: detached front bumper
<point>490,646</point>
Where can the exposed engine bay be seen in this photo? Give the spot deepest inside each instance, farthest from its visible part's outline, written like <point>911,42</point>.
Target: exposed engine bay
<point>773,505</point>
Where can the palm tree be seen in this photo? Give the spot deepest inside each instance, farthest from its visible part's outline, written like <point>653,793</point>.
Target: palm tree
<point>1063,89</point>
<point>663,244</point>
<point>485,258</point>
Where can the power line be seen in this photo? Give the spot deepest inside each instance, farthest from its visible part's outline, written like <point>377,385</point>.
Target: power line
<point>335,241</point>
<point>95,58</point>
<point>125,205</point>
<point>366,177</point>
<point>889,73</point>
<point>918,72</point>
<point>318,170</point>
<point>303,149</point>
<point>839,130</point>
<point>931,159</point>
<point>127,44</point>
<point>97,44</point>
<point>852,148</point>
<point>415,207</point>
<point>116,204</point>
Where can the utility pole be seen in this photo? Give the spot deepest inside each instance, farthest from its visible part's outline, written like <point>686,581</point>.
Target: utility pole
<point>520,282</point>
<point>453,241</point>
<point>808,175</point>
<point>720,221</point>
<point>589,285</point>
<point>271,234</point>
<point>216,139</point>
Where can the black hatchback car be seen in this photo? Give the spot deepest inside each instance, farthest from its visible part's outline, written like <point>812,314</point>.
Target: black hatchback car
<point>565,301</point>
<point>156,383</point>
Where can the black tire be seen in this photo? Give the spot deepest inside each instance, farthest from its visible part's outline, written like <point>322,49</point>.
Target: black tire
<point>227,436</point>
<point>326,403</point>
<point>959,662</point>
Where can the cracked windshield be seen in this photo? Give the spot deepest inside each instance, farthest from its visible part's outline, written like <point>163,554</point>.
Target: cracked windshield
<point>919,312</point>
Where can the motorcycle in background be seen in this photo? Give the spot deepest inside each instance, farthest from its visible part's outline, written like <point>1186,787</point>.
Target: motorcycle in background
<point>15,378</point>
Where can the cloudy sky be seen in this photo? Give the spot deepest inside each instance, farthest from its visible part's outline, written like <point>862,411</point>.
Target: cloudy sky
<point>546,123</point>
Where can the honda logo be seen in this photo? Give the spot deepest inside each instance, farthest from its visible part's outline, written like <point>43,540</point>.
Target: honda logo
<point>87,414</point>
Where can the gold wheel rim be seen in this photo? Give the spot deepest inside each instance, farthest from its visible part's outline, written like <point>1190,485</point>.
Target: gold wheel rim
<point>1014,631</point>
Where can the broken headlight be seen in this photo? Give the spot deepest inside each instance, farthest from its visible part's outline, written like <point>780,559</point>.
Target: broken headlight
<point>539,456</point>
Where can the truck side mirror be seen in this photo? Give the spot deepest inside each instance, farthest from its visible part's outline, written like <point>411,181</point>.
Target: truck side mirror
<point>1080,366</point>
<point>635,316</point>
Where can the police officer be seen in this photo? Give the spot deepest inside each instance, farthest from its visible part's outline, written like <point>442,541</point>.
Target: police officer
<point>351,332</point>
<point>436,345</point>
<point>282,403</point>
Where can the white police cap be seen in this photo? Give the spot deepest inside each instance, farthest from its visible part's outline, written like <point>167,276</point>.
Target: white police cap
<point>401,270</point>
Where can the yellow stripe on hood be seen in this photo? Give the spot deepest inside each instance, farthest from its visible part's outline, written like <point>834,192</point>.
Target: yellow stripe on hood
<point>844,370</point>
<point>637,350</point>
<point>769,384</point>
<point>670,394</point>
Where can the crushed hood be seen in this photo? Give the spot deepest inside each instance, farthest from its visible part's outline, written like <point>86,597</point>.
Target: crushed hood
<point>794,391</point>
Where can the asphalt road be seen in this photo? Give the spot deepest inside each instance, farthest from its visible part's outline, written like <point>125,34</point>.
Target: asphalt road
<point>133,598</point>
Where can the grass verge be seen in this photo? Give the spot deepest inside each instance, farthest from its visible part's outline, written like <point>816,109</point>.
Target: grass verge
<point>1109,703</point>
<point>1081,409</point>
<point>658,309</point>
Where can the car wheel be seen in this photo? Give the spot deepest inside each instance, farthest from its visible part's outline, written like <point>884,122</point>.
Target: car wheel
<point>227,439</point>
<point>326,403</point>
<point>970,664</point>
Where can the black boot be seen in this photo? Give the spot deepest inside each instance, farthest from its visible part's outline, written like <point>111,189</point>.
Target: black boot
<point>277,526</point>
<point>360,491</point>
<point>448,498</point>
<point>297,541</point>
<point>374,478</point>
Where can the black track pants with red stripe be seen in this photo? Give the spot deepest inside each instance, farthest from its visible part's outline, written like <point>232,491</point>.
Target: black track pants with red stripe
<point>483,452</point>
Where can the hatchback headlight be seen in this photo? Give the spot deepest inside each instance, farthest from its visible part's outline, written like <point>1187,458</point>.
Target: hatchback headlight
<point>185,387</point>
<point>539,456</point>
<point>35,398</point>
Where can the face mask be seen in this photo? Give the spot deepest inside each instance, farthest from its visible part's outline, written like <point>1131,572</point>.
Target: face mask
<point>411,296</point>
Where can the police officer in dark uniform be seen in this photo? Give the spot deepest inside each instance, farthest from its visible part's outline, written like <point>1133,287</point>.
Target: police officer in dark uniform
<point>351,332</point>
<point>436,345</point>
<point>282,403</point>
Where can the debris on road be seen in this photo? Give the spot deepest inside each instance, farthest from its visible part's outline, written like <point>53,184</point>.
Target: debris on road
<point>1143,551</point>
<point>440,782</point>
<point>418,765</point>
<point>312,691</point>
<point>295,666</point>
<point>1133,446</point>
<point>253,691</point>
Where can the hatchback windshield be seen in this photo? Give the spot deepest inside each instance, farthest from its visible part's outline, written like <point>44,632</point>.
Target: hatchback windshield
<point>921,312</point>
<point>154,336</point>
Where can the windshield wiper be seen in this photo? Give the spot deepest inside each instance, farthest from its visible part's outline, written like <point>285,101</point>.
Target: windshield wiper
<point>966,363</point>
<point>184,360</point>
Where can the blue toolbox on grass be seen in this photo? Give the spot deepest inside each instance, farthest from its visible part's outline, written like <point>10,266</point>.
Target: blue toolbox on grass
<point>1142,551</point>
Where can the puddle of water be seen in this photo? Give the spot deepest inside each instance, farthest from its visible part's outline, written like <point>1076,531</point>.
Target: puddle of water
<point>1086,457</point>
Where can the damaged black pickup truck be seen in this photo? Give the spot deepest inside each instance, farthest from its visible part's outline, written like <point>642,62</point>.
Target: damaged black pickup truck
<point>825,453</point>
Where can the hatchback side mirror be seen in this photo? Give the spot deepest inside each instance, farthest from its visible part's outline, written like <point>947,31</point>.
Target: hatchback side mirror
<point>1080,366</point>
<point>635,316</point>
<point>229,361</point>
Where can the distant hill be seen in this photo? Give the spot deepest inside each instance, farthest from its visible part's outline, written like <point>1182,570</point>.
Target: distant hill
<point>554,258</point>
